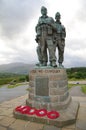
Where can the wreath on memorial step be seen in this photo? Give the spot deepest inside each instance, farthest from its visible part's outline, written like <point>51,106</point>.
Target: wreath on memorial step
<point>38,112</point>
<point>53,114</point>
<point>41,112</point>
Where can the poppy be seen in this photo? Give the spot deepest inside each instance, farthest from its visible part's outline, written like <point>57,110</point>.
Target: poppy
<point>31,111</point>
<point>53,114</point>
<point>41,112</point>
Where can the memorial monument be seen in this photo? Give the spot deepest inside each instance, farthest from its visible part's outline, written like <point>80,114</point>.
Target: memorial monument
<point>48,84</point>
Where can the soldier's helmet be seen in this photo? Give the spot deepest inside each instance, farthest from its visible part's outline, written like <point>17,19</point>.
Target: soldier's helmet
<point>57,15</point>
<point>43,10</point>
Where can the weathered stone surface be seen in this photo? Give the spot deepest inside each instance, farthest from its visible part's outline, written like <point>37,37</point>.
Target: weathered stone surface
<point>47,127</point>
<point>48,86</point>
<point>42,87</point>
<point>54,98</point>
<point>36,104</point>
<point>32,90</point>
<point>45,71</point>
<point>59,105</point>
<point>54,91</point>
<point>31,83</point>
<point>3,128</point>
<point>82,114</point>
<point>31,96</point>
<point>40,105</point>
<point>69,127</point>
<point>58,91</point>
<point>49,90</point>
<point>7,121</point>
<point>58,84</point>
<point>64,97</point>
<point>49,105</point>
<point>81,125</point>
<point>18,125</point>
<point>53,84</point>
<point>67,116</point>
<point>42,98</point>
<point>63,83</point>
<point>31,78</point>
<point>33,126</point>
<point>29,102</point>
<point>1,117</point>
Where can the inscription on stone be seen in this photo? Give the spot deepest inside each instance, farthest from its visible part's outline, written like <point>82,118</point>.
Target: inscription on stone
<point>46,71</point>
<point>42,88</point>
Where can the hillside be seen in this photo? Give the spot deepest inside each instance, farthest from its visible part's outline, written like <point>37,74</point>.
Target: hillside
<point>22,68</point>
<point>77,73</point>
<point>16,68</point>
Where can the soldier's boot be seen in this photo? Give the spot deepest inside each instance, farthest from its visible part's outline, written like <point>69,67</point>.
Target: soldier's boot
<point>60,65</point>
<point>39,64</point>
<point>54,64</point>
<point>50,63</point>
<point>44,64</point>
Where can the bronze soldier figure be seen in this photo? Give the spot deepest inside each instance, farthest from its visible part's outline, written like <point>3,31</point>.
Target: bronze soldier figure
<point>60,38</point>
<point>45,30</point>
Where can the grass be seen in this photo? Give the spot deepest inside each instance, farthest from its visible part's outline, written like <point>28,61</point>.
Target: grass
<point>71,85</point>
<point>74,79</point>
<point>16,85</point>
<point>13,86</point>
<point>83,88</point>
<point>1,86</point>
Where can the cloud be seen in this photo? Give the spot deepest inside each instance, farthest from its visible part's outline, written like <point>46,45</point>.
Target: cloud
<point>17,34</point>
<point>81,14</point>
<point>18,19</point>
<point>16,14</point>
<point>75,51</point>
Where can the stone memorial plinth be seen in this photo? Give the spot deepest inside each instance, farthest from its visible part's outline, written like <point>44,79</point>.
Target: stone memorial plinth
<point>48,89</point>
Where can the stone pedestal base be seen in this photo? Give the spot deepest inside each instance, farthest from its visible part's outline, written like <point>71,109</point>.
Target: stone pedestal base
<point>67,116</point>
<point>48,89</point>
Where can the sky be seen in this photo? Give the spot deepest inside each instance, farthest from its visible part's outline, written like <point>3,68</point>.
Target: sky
<point>18,19</point>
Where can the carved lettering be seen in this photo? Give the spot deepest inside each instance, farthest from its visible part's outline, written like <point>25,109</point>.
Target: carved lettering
<point>45,71</point>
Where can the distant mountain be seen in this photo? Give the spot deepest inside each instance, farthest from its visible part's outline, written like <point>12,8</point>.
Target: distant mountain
<point>16,68</point>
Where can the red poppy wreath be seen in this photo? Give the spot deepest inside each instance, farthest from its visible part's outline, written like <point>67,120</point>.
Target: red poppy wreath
<point>53,114</point>
<point>41,112</point>
<point>22,109</point>
<point>31,111</point>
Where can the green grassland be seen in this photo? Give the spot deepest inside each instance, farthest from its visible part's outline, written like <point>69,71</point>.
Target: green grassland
<point>83,87</point>
<point>14,80</point>
<point>76,73</point>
